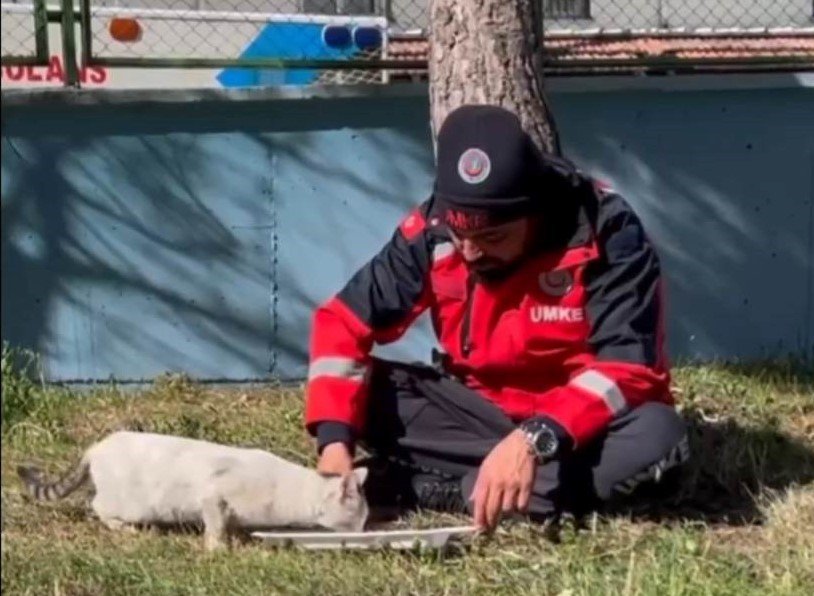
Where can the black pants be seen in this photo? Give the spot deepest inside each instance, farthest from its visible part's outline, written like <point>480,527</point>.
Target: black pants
<point>433,423</point>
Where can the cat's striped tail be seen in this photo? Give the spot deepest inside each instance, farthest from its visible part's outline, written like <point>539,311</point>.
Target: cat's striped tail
<point>43,490</point>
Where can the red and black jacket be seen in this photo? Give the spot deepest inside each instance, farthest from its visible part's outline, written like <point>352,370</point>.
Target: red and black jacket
<point>573,334</point>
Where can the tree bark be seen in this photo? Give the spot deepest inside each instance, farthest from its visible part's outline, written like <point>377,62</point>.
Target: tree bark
<point>490,52</point>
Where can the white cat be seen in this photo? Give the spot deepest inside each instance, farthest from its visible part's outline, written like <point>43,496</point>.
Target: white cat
<point>143,478</point>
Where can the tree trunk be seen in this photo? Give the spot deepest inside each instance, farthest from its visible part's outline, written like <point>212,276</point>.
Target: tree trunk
<point>490,52</point>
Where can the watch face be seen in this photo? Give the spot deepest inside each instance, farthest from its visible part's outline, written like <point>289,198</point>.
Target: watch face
<point>541,438</point>
<point>546,442</point>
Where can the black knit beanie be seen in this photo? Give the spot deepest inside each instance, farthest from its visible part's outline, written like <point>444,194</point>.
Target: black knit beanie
<point>488,169</point>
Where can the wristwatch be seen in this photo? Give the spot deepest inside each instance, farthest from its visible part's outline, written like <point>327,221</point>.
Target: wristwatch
<point>542,440</point>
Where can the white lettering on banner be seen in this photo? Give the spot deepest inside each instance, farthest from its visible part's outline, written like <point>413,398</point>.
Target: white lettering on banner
<point>556,314</point>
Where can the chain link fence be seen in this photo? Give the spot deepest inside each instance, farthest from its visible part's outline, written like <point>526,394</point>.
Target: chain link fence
<point>680,15</point>
<point>24,39</point>
<point>593,15</point>
<point>609,35</point>
<point>266,42</point>
<point>578,33</point>
<point>259,42</point>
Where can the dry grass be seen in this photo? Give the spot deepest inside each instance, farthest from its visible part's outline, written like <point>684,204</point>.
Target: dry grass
<point>743,522</point>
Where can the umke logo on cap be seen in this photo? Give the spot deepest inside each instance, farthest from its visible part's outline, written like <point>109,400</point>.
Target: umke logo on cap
<point>461,220</point>
<point>474,166</point>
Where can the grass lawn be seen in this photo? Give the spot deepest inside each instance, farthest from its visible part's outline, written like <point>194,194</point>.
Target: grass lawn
<point>743,522</point>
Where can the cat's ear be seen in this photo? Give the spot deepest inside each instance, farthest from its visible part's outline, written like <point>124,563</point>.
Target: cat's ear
<point>361,475</point>
<point>352,483</point>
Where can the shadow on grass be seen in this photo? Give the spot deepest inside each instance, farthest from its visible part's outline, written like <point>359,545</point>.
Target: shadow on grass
<point>731,466</point>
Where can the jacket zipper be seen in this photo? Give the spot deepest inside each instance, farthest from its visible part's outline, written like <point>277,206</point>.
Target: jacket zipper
<point>466,336</point>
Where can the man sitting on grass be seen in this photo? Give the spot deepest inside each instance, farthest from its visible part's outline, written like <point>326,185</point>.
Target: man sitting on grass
<point>552,390</point>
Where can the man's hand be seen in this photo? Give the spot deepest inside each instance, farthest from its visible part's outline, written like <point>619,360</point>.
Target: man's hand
<point>335,459</point>
<point>504,481</point>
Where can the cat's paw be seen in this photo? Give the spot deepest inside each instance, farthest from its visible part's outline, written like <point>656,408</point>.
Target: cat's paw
<point>118,525</point>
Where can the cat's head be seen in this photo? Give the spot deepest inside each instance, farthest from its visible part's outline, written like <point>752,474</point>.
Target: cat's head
<point>344,507</point>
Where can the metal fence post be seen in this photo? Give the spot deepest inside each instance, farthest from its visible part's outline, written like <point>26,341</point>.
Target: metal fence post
<point>538,14</point>
<point>69,44</point>
<point>86,36</point>
<point>41,30</point>
<point>538,10</point>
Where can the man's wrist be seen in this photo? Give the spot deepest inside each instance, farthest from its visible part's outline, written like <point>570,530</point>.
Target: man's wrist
<point>331,431</point>
<point>546,438</point>
<point>521,439</point>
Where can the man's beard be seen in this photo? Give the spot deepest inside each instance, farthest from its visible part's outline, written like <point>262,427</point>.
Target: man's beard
<point>490,270</point>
